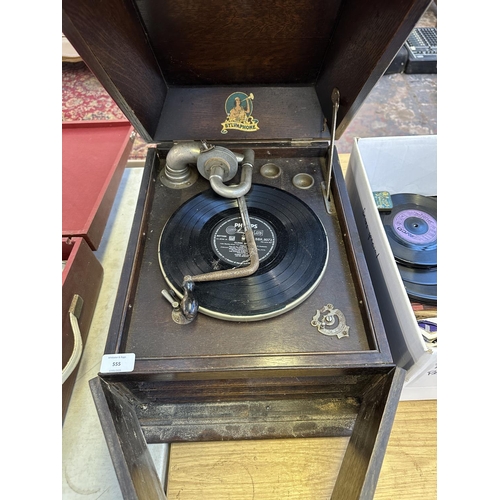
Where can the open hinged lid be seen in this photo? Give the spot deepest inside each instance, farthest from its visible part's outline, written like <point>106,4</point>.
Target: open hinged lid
<point>176,67</point>
<point>94,154</point>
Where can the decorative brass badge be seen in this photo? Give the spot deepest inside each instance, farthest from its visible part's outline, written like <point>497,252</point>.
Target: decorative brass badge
<point>239,107</point>
<point>324,320</point>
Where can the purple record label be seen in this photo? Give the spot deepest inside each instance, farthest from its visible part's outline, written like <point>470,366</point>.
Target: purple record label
<point>415,226</point>
<point>228,240</point>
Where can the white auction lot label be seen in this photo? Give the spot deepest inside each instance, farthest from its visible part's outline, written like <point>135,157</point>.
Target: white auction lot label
<point>117,363</point>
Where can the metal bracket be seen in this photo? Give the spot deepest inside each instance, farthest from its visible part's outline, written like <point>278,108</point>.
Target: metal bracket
<point>325,186</point>
<point>330,321</point>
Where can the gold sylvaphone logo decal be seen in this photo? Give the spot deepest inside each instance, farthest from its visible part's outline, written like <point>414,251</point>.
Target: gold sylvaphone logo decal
<point>239,108</point>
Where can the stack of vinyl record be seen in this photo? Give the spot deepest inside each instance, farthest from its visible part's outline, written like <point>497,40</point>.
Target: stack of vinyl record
<point>411,228</point>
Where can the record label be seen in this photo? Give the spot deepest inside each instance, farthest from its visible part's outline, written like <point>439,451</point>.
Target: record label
<point>415,226</point>
<point>228,240</point>
<point>411,229</point>
<point>204,235</point>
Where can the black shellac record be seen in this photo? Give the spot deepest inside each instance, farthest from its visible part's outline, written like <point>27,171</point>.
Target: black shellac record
<point>205,234</point>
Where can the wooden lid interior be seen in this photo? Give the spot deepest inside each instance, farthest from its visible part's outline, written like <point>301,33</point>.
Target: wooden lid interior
<point>171,66</point>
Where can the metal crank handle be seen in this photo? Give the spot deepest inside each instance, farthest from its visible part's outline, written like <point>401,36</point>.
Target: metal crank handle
<point>237,272</point>
<point>187,310</point>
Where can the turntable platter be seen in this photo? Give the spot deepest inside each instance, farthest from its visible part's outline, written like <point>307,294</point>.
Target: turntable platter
<point>205,235</point>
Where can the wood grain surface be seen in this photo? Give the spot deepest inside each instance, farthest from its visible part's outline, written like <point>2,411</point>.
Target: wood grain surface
<point>306,469</point>
<point>409,470</point>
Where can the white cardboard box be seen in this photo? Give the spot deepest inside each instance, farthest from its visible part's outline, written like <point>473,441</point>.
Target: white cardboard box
<point>398,165</point>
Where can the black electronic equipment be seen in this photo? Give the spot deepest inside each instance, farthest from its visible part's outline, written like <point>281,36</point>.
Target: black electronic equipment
<point>422,51</point>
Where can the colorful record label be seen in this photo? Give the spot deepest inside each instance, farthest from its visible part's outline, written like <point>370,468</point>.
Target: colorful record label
<point>239,109</point>
<point>415,226</point>
<point>228,240</point>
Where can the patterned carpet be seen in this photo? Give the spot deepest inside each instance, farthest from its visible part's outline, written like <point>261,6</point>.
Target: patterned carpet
<point>84,98</point>
<point>399,104</point>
